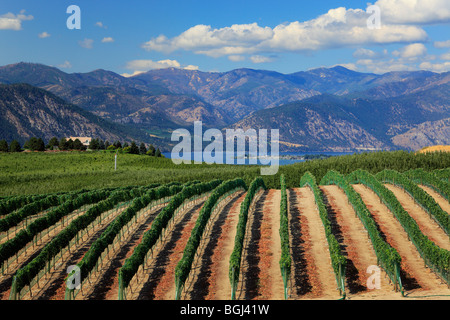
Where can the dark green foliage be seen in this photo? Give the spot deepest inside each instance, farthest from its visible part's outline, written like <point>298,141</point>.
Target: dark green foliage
<point>435,257</point>
<point>25,274</point>
<point>235,258</point>
<point>420,196</point>
<point>4,146</point>
<point>149,239</point>
<point>387,257</point>
<point>338,260</point>
<point>285,260</point>
<point>15,146</point>
<point>185,264</point>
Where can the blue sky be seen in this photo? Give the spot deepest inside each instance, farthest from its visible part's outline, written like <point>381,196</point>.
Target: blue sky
<point>129,37</point>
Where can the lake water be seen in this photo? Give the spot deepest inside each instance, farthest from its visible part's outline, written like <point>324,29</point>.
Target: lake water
<point>233,158</point>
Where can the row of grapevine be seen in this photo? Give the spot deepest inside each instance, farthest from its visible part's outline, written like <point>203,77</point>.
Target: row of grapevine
<point>236,255</point>
<point>184,266</point>
<point>35,207</point>
<point>139,256</point>
<point>437,259</point>
<point>431,180</point>
<point>27,273</point>
<point>90,259</point>
<point>420,196</point>
<point>25,236</point>
<point>285,260</point>
<point>388,258</point>
<point>338,260</point>
<point>10,204</point>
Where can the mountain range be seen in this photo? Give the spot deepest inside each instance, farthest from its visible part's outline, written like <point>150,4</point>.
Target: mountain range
<point>324,109</point>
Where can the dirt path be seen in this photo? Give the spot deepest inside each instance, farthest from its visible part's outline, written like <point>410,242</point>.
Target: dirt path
<point>356,245</point>
<point>440,200</point>
<point>262,275</point>
<point>105,283</point>
<point>427,225</point>
<point>210,269</point>
<point>417,279</point>
<point>312,271</point>
<point>158,280</point>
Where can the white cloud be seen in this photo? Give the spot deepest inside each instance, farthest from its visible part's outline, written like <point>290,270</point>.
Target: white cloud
<point>10,21</point>
<point>411,51</point>
<point>107,39</point>
<point>44,34</point>
<point>445,56</point>
<point>337,28</point>
<point>65,65</point>
<point>350,66</point>
<point>236,58</point>
<point>435,67</point>
<point>101,25</point>
<point>260,59</point>
<point>140,66</point>
<point>442,44</point>
<point>383,66</point>
<point>362,53</point>
<point>414,11</point>
<point>86,43</point>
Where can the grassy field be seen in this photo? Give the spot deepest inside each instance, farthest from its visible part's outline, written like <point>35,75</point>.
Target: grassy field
<point>37,172</point>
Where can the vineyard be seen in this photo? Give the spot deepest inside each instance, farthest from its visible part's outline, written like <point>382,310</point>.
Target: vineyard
<point>352,235</point>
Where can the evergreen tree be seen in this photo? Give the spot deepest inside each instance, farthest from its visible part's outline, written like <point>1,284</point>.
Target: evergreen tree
<point>53,143</point>
<point>63,144</point>
<point>15,146</point>
<point>151,150</point>
<point>158,153</point>
<point>4,146</point>
<point>70,144</point>
<point>94,144</point>
<point>134,149</point>
<point>117,144</point>
<point>77,145</point>
<point>35,144</point>
<point>142,148</point>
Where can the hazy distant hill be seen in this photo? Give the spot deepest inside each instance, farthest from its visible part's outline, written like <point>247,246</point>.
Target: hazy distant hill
<point>319,109</point>
<point>27,111</point>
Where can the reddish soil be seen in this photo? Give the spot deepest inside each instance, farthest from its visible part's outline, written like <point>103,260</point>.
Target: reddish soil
<point>427,225</point>
<point>211,280</point>
<point>356,245</point>
<point>312,272</point>
<point>262,275</point>
<point>417,279</point>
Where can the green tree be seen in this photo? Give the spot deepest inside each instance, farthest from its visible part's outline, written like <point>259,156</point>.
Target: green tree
<point>117,144</point>
<point>134,149</point>
<point>158,153</point>
<point>70,144</point>
<point>63,144</point>
<point>151,150</point>
<point>77,145</point>
<point>4,146</point>
<point>94,144</point>
<point>15,146</point>
<point>53,143</point>
<point>142,148</point>
<point>35,144</point>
